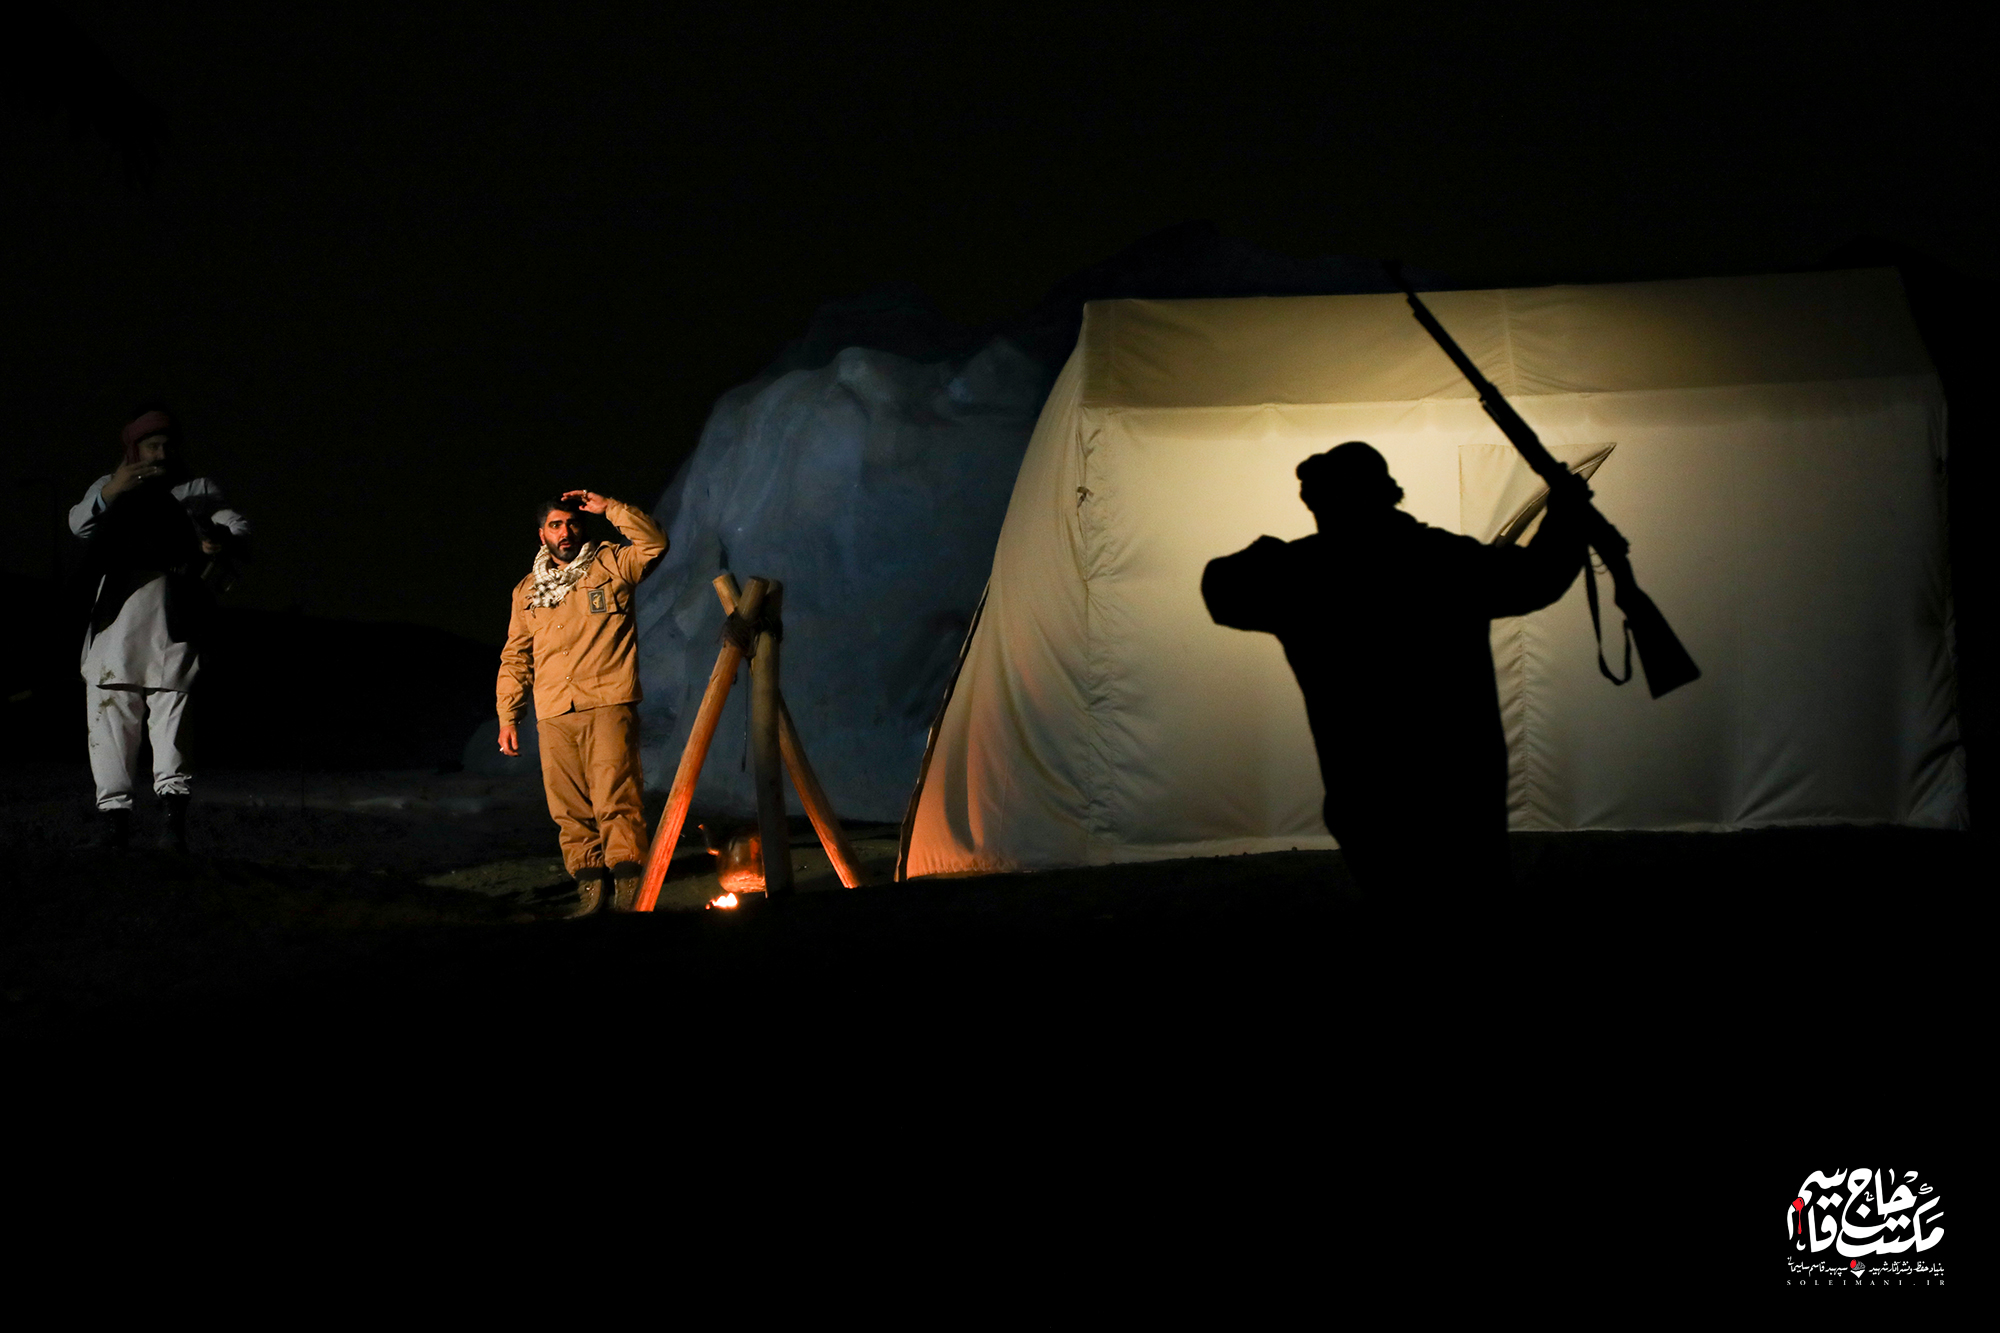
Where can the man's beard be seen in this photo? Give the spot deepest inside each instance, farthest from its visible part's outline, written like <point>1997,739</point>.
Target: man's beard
<point>556,552</point>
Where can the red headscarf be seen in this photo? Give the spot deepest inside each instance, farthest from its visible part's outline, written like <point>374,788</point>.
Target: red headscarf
<point>148,423</point>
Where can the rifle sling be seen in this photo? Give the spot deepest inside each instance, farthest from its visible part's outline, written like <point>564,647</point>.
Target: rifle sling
<point>1597,627</point>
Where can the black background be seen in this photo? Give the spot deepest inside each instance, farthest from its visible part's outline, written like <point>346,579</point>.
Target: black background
<point>404,269</point>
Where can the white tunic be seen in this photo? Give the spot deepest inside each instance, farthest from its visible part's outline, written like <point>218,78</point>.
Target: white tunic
<point>135,649</point>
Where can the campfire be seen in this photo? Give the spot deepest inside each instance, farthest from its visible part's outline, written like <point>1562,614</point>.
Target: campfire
<point>751,632</point>
<point>739,864</point>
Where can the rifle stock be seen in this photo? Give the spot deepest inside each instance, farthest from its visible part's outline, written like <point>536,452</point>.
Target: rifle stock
<point>1666,661</point>
<point>1668,666</point>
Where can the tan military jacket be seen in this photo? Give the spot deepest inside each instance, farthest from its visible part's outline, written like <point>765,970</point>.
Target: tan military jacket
<point>585,652</point>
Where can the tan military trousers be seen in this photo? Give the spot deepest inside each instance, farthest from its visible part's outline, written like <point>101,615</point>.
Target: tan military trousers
<point>590,771</point>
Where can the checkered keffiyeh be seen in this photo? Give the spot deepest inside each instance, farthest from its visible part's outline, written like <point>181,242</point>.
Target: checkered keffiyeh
<point>553,581</point>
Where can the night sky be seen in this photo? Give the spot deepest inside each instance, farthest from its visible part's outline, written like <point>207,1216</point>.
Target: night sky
<point>404,273</point>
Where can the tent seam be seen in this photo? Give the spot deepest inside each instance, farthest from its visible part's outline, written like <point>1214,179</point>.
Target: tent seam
<point>1473,399</point>
<point>1507,345</point>
<point>1096,784</point>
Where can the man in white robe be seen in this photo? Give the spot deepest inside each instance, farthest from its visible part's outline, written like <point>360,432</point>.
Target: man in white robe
<point>153,532</point>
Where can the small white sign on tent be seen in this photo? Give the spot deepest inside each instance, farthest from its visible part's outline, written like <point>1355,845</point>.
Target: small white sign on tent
<point>1777,461</point>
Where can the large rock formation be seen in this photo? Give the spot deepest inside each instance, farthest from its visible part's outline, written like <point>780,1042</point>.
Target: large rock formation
<point>873,486</point>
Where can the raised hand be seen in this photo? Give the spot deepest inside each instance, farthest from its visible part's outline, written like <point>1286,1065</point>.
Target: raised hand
<point>593,503</point>
<point>129,475</point>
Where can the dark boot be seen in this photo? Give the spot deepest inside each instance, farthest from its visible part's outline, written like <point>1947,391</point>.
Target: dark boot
<point>114,830</point>
<point>174,832</point>
<point>591,883</point>
<point>625,877</point>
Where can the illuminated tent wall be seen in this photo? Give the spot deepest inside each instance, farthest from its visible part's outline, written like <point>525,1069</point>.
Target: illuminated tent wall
<point>1777,462</point>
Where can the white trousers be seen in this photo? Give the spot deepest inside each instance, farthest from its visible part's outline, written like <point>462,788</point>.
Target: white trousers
<point>116,716</point>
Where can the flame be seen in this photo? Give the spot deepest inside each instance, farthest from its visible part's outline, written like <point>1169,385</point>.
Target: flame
<point>726,900</point>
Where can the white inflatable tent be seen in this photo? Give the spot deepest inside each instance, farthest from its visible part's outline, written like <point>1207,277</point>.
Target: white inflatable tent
<point>1777,453</point>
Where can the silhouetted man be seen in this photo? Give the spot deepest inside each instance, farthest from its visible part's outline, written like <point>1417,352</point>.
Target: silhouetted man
<point>1385,623</point>
<point>573,645</point>
<point>152,529</point>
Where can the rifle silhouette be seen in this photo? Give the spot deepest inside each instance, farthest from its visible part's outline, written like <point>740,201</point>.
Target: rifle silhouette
<point>1668,666</point>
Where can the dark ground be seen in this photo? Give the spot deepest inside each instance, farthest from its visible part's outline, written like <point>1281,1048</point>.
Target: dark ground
<point>385,908</point>
<point>1234,1072</point>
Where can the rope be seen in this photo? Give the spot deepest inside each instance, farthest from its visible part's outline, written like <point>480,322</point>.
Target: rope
<point>743,633</point>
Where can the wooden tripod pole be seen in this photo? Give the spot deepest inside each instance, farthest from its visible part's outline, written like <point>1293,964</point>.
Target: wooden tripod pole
<point>668,835</point>
<point>806,782</point>
<point>764,748</point>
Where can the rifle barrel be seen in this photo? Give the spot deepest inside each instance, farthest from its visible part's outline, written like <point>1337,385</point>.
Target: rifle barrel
<point>1668,666</point>
<point>1490,398</point>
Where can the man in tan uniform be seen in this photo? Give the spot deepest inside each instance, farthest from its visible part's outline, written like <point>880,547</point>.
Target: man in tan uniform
<point>573,644</point>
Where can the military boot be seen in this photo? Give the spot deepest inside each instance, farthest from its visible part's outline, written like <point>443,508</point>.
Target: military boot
<point>174,832</point>
<point>590,894</point>
<point>114,830</point>
<point>625,877</point>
